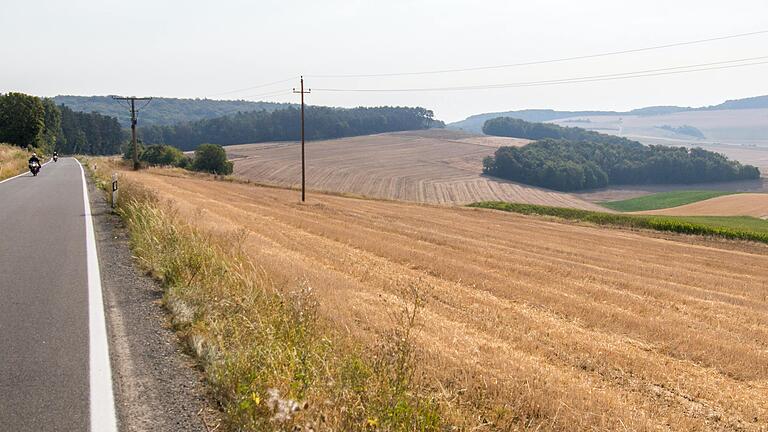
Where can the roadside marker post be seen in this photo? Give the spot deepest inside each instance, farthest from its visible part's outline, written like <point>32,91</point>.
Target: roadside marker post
<point>114,190</point>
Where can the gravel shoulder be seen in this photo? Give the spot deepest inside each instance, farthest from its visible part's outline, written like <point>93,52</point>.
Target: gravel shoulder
<point>156,385</point>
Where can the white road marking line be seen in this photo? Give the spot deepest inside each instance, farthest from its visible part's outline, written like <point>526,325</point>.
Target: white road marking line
<point>19,175</point>
<point>102,400</point>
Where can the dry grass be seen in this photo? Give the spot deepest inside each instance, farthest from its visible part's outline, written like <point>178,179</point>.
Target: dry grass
<point>13,160</point>
<point>435,166</point>
<point>527,323</point>
<point>271,364</point>
<point>748,204</point>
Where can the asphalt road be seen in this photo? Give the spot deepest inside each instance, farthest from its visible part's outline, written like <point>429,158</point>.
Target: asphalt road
<point>44,314</point>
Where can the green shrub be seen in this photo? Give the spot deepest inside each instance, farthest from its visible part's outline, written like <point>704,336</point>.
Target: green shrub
<point>128,150</point>
<point>164,155</point>
<point>213,159</point>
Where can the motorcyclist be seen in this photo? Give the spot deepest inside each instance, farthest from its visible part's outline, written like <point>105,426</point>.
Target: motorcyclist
<point>55,155</point>
<point>34,159</point>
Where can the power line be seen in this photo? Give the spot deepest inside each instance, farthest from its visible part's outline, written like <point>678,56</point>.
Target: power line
<point>143,106</point>
<point>253,87</point>
<point>272,93</point>
<point>538,62</point>
<point>608,77</point>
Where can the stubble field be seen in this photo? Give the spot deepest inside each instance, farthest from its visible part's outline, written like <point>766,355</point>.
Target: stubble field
<point>434,166</point>
<point>542,324</point>
<point>746,204</point>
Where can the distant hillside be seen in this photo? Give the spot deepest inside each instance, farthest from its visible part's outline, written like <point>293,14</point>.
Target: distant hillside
<point>747,103</point>
<point>475,123</point>
<point>165,111</point>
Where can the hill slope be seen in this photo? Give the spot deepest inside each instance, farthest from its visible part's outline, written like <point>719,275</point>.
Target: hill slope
<point>165,111</point>
<point>432,166</point>
<point>475,123</point>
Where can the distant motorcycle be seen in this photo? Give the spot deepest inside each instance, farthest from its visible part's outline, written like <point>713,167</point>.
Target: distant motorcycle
<point>34,168</point>
<point>55,158</point>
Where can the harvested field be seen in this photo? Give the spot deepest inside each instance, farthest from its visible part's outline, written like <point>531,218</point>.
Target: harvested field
<point>662,200</point>
<point>747,204</point>
<point>624,192</point>
<point>537,323</point>
<point>435,166</point>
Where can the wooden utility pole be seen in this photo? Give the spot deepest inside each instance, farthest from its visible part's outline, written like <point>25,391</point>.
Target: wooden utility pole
<point>303,182</point>
<point>134,119</point>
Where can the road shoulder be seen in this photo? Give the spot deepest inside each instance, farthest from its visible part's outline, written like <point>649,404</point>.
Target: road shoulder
<point>157,387</point>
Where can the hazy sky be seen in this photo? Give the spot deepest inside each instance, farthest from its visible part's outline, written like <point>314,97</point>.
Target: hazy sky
<point>204,48</point>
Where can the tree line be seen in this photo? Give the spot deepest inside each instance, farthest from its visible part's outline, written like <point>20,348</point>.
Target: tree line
<point>166,111</point>
<point>33,122</point>
<point>569,159</point>
<point>282,125</point>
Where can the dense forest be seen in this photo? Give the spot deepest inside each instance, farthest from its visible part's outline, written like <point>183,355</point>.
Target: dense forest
<point>165,111</point>
<point>569,159</point>
<point>29,121</point>
<point>282,125</point>
<point>89,133</point>
<point>516,128</point>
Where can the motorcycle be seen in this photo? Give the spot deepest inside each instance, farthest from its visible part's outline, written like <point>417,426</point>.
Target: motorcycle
<point>34,168</point>
<point>55,158</point>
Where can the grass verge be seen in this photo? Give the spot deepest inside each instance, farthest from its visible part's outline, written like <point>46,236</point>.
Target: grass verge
<point>730,227</point>
<point>272,365</point>
<point>13,161</point>
<point>662,200</point>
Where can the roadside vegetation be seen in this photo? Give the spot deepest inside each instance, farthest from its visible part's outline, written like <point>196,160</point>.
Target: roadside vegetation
<point>13,161</point>
<point>570,158</point>
<point>271,363</point>
<point>729,227</point>
<point>662,200</point>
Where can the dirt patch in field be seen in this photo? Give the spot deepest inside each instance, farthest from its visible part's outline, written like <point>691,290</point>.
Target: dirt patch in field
<point>570,327</point>
<point>747,204</point>
<point>435,166</point>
